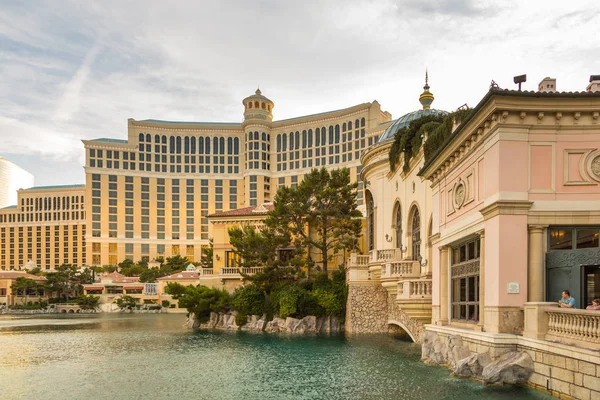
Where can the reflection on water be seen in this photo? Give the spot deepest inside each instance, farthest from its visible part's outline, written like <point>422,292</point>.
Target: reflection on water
<point>113,356</point>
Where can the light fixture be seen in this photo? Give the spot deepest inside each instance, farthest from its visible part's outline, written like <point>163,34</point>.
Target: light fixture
<point>217,257</point>
<point>388,238</point>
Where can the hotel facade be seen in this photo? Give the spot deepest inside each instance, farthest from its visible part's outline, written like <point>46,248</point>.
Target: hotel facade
<point>149,195</point>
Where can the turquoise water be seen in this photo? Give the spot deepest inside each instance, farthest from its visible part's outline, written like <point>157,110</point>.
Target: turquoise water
<point>154,357</point>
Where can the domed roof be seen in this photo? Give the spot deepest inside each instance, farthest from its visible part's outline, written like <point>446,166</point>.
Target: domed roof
<point>405,120</point>
<point>426,98</point>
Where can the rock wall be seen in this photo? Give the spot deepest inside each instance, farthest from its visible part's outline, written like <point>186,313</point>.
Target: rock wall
<point>367,309</point>
<point>310,324</point>
<point>414,328</point>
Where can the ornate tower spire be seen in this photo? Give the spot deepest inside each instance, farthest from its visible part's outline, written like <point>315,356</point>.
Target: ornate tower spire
<point>426,98</point>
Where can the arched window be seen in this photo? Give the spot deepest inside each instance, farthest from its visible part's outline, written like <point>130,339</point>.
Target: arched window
<point>186,145</point>
<point>201,145</point>
<point>349,125</point>
<point>178,141</point>
<point>229,145</point>
<point>337,133</point>
<point>193,143</point>
<point>256,104</point>
<point>416,234</point>
<point>249,136</point>
<point>249,104</point>
<point>256,136</point>
<point>356,124</point>
<point>291,141</point>
<point>284,142</point>
<point>344,127</point>
<point>330,134</point>
<point>297,140</point>
<point>370,220</point>
<point>222,145</point>
<point>318,137</point>
<point>278,143</point>
<point>215,145</point>
<point>323,134</point>
<point>164,139</point>
<point>148,138</point>
<point>398,225</point>
<point>207,144</point>
<point>172,144</point>
<point>362,122</point>
<point>262,105</point>
<point>304,139</point>
<point>264,136</point>
<point>141,137</point>
<point>310,138</point>
<point>236,146</point>
<point>156,138</point>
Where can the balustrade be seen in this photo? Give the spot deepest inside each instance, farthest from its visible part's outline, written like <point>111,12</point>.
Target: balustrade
<point>574,325</point>
<point>412,289</point>
<point>205,271</point>
<point>401,269</point>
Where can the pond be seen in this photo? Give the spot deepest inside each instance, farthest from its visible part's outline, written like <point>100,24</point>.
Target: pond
<point>153,356</point>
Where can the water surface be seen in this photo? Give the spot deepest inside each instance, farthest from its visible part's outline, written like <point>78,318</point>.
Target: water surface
<point>113,356</point>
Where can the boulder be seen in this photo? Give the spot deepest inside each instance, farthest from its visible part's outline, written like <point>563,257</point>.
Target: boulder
<point>276,325</point>
<point>255,323</point>
<point>455,350</point>
<point>513,367</point>
<point>327,324</point>
<point>433,349</point>
<point>472,366</point>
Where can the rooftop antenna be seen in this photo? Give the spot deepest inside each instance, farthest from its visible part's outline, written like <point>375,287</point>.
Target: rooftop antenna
<point>520,79</point>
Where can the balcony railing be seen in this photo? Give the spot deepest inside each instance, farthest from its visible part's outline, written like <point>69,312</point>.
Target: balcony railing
<point>359,259</point>
<point>400,269</point>
<point>545,320</point>
<point>413,289</point>
<point>387,255</point>
<point>205,271</point>
<point>237,271</point>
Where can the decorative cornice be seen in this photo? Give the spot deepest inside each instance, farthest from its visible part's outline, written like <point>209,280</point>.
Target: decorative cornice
<point>506,207</point>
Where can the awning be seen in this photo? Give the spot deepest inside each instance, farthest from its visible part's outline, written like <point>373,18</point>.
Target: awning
<point>93,287</point>
<point>133,288</point>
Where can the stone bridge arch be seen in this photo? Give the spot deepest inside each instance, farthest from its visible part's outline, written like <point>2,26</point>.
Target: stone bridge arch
<point>405,329</point>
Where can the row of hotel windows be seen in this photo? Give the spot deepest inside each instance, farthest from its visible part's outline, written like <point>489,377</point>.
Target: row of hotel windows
<point>190,145</point>
<point>113,257</point>
<point>320,137</point>
<point>42,216</point>
<point>51,203</point>
<point>144,205</point>
<point>69,254</point>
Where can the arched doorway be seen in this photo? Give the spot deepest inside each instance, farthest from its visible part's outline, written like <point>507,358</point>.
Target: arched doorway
<point>398,225</point>
<point>370,220</point>
<point>416,234</point>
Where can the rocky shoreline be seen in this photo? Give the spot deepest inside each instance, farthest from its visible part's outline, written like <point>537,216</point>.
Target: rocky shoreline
<point>306,325</point>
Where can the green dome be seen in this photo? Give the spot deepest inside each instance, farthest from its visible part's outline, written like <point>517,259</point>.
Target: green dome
<point>405,120</point>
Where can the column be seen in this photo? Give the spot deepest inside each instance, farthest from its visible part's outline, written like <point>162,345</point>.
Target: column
<point>444,283</point>
<point>481,279</point>
<point>535,272</point>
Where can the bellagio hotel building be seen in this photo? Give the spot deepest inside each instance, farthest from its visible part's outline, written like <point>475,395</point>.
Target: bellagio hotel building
<point>149,195</point>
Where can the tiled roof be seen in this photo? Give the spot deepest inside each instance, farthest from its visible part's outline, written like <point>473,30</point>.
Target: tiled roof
<point>78,186</point>
<point>159,121</point>
<point>20,274</point>
<point>262,209</point>
<point>179,275</point>
<point>109,140</point>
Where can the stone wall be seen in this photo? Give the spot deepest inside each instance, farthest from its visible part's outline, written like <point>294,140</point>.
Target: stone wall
<point>562,370</point>
<point>367,309</point>
<point>412,327</point>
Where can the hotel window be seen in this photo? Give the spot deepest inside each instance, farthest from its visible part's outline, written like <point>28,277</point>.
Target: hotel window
<point>573,238</point>
<point>465,281</point>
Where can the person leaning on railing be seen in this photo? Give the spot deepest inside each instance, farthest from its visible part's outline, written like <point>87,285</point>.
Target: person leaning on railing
<point>595,304</point>
<point>567,301</point>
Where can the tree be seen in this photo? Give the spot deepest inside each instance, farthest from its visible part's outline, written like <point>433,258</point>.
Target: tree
<point>24,286</point>
<point>206,257</point>
<point>320,213</point>
<point>174,264</point>
<point>256,247</point>
<point>87,302</point>
<point>67,280</point>
<point>125,302</point>
<point>199,300</point>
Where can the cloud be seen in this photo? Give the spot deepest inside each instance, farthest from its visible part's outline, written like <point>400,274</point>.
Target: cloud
<point>72,70</point>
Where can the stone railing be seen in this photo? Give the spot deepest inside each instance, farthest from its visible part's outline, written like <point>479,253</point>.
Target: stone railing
<point>570,326</point>
<point>359,259</point>
<point>205,271</point>
<point>415,289</point>
<point>238,271</point>
<point>401,269</point>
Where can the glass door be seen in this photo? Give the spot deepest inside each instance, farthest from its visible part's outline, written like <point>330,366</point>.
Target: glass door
<point>591,284</point>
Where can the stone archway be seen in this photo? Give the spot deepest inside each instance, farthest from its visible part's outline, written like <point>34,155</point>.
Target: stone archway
<point>404,328</point>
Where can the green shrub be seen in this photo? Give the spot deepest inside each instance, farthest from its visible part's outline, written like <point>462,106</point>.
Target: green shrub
<point>173,306</point>
<point>241,319</point>
<point>249,300</point>
<point>165,303</point>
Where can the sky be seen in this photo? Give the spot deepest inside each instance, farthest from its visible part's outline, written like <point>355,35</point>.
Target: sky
<point>76,70</point>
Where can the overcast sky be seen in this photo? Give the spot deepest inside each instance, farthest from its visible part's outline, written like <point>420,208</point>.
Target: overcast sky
<point>73,70</point>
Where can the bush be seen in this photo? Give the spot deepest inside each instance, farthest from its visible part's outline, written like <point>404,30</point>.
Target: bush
<point>173,306</point>
<point>249,300</point>
<point>241,319</point>
<point>200,300</point>
<point>165,303</point>
<point>155,307</point>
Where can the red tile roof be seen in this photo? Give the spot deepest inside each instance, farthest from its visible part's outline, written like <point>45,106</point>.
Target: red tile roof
<point>262,209</point>
<point>17,274</point>
<point>180,275</point>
